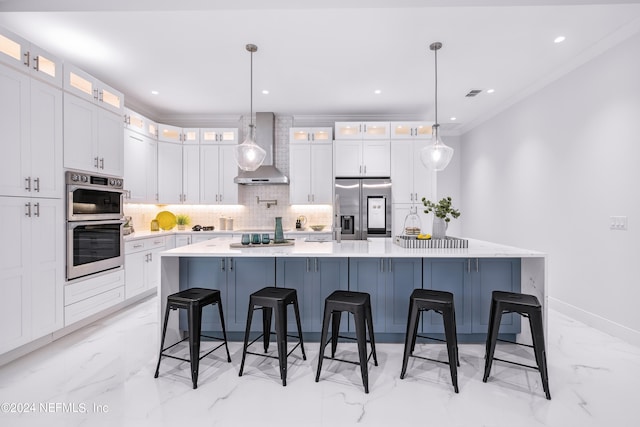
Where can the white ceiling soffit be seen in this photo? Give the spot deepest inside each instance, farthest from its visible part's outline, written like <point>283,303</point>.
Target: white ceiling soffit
<point>323,58</point>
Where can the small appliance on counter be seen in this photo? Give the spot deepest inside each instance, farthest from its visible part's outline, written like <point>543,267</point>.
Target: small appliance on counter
<point>128,226</point>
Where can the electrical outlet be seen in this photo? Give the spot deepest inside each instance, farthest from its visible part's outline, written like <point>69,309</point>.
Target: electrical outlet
<point>618,223</point>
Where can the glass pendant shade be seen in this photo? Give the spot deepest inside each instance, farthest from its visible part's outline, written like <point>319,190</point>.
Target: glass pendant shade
<point>249,155</point>
<point>436,156</point>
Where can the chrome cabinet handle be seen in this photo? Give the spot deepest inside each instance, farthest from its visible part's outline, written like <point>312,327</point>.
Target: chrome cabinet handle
<point>36,65</point>
<point>365,169</point>
<point>28,183</point>
<point>137,246</point>
<point>36,183</point>
<point>390,269</point>
<point>381,265</point>
<point>27,59</point>
<point>102,163</point>
<point>477,265</point>
<point>222,264</point>
<point>36,208</point>
<point>28,210</point>
<point>469,265</point>
<point>95,94</point>
<point>316,263</point>
<point>231,264</point>
<point>95,162</point>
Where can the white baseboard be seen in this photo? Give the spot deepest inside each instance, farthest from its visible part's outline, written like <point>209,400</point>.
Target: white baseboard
<point>605,325</point>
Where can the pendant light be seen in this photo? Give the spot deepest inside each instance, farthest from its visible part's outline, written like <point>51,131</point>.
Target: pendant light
<point>436,156</point>
<point>250,155</point>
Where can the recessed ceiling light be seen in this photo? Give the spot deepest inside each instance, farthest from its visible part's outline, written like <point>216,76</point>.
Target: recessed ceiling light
<point>559,39</point>
<point>453,119</point>
<point>154,92</point>
<point>265,92</point>
<point>377,91</point>
<point>490,90</point>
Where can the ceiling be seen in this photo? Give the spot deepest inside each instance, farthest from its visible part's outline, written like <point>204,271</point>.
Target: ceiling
<point>325,58</point>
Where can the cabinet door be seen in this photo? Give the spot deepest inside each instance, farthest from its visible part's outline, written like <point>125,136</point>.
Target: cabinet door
<point>424,180</point>
<point>168,133</point>
<point>47,266</point>
<point>500,274</point>
<point>153,266</point>
<point>209,174</point>
<point>134,280</point>
<point>169,173</point>
<point>375,158</point>
<point>402,162</point>
<point>321,183</point>
<point>245,276</point>
<point>228,171</point>
<point>300,183</point>
<point>331,274</point>
<point>368,275</point>
<point>400,212</point>
<point>140,168</point>
<point>46,140</point>
<point>410,130</point>
<point>45,66</point>
<point>403,276</point>
<point>191,174</point>
<point>80,84</point>
<point>209,273</point>
<point>110,142</point>
<point>297,273</point>
<point>376,130</point>
<point>348,130</point>
<point>347,158</point>
<point>14,122</point>
<point>451,275</point>
<point>80,134</point>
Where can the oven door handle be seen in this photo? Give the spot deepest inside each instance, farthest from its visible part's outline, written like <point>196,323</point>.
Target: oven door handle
<point>72,187</point>
<point>73,224</point>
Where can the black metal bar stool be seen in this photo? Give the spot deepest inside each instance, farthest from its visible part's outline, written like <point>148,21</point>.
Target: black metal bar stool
<point>358,304</point>
<point>193,300</point>
<point>269,299</point>
<point>527,306</point>
<point>422,300</point>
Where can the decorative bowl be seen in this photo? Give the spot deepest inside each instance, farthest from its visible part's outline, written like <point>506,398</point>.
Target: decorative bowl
<point>318,227</point>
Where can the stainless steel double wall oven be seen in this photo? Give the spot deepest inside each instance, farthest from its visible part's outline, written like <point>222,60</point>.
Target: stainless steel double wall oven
<point>94,224</point>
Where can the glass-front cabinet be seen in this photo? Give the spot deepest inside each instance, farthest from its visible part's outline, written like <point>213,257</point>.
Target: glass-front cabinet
<point>362,130</point>
<point>411,130</point>
<point>29,58</point>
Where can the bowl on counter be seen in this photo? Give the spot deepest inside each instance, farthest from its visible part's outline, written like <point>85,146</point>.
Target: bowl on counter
<point>317,227</point>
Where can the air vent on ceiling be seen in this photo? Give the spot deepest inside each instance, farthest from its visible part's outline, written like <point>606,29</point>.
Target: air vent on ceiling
<point>473,92</point>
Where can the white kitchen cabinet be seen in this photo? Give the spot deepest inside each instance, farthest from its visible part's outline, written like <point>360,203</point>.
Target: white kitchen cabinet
<point>400,212</point>
<point>140,168</point>
<point>310,135</point>
<point>93,137</point>
<point>218,135</point>
<point>191,174</point>
<point>310,173</point>
<point>182,240</point>
<point>411,130</point>
<point>411,179</point>
<point>140,124</point>
<point>29,58</point>
<point>142,265</point>
<point>217,170</point>
<point>31,269</point>
<point>362,130</point>
<point>169,173</point>
<point>88,296</point>
<point>31,123</point>
<point>167,133</point>
<point>362,158</point>
<point>87,87</point>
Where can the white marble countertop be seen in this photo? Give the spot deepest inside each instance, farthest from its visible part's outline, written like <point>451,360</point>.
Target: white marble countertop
<point>379,247</point>
<point>218,233</point>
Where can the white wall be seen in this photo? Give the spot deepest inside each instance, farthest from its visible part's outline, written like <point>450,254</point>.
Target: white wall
<point>448,185</point>
<point>548,173</point>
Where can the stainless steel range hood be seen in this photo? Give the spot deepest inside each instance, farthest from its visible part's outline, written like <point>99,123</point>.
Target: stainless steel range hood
<point>265,138</point>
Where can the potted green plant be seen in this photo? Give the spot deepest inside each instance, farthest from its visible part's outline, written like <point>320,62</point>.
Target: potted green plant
<point>443,211</point>
<point>182,221</point>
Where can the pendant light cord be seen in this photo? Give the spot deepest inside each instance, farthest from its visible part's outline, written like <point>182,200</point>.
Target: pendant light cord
<point>251,93</point>
<point>436,91</point>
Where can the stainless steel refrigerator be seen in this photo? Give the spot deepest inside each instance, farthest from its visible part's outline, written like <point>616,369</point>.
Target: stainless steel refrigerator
<point>363,207</point>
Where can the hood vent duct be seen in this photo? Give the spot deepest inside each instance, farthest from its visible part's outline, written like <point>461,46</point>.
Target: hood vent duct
<point>265,138</point>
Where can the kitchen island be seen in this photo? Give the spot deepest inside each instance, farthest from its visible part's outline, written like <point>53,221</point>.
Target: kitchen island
<point>378,266</point>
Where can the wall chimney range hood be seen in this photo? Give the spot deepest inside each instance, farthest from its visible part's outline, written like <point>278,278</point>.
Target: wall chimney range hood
<point>267,174</point>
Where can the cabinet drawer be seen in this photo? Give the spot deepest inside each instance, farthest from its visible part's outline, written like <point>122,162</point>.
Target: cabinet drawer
<point>93,305</point>
<point>144,245</point>
<point>85,289</point>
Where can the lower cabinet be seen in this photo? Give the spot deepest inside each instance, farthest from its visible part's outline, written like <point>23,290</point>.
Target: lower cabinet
<point>314,279</point>
<point>471,280</point>
<point>85,297</point>
<point>142,265</point>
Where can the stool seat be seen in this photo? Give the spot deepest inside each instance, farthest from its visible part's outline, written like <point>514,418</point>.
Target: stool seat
<point>358,304</point>
<point>422,300</point>
<point>273,300</point>
<point>193,300</point>
<point>527,306</point>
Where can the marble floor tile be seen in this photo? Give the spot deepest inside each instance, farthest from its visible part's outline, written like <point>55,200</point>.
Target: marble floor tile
<point>102,375</point>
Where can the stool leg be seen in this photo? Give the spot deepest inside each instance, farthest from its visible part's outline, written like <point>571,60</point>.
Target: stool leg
<point>452,344</point>
<point>246,336</point>
<point>335,331</point>
<point>164,332</point>
<point>194,314</point>
<point>224,330</point>
<point>369,317</point>
<point>492,336</point>
<point>281,336</point>
<point>537,333</point>
<point>323,338</point>
<point>409,339</point>
<point>455,332</point>
<point>361,336</point>
<point>296,311</point>
<point>266,326</point>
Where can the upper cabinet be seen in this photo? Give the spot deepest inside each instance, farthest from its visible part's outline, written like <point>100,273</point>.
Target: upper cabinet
<point>140,168</point>
<point>89,88</point>
<point>411,130</point>
<point>362,158</point>
<point>140,124</point>
<point>411,179</point>
<point>310,159</point>
<point>310,135</point>
<point>219,135</point>
<point>29,58</point>
<point>167,133</point>
<point>218,168</point>
<point>362,130</point>
<point>31,123</point>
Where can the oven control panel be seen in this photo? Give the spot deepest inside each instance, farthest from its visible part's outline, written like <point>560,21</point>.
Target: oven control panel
<point>94,180</point>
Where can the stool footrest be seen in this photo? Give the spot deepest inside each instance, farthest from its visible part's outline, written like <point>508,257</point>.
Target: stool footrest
<point>430,338</point>
<point>516,343</point>
<point>347,361</point>
<point>429,359</point>
<point>163,354</point>
<point>516,363</point>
